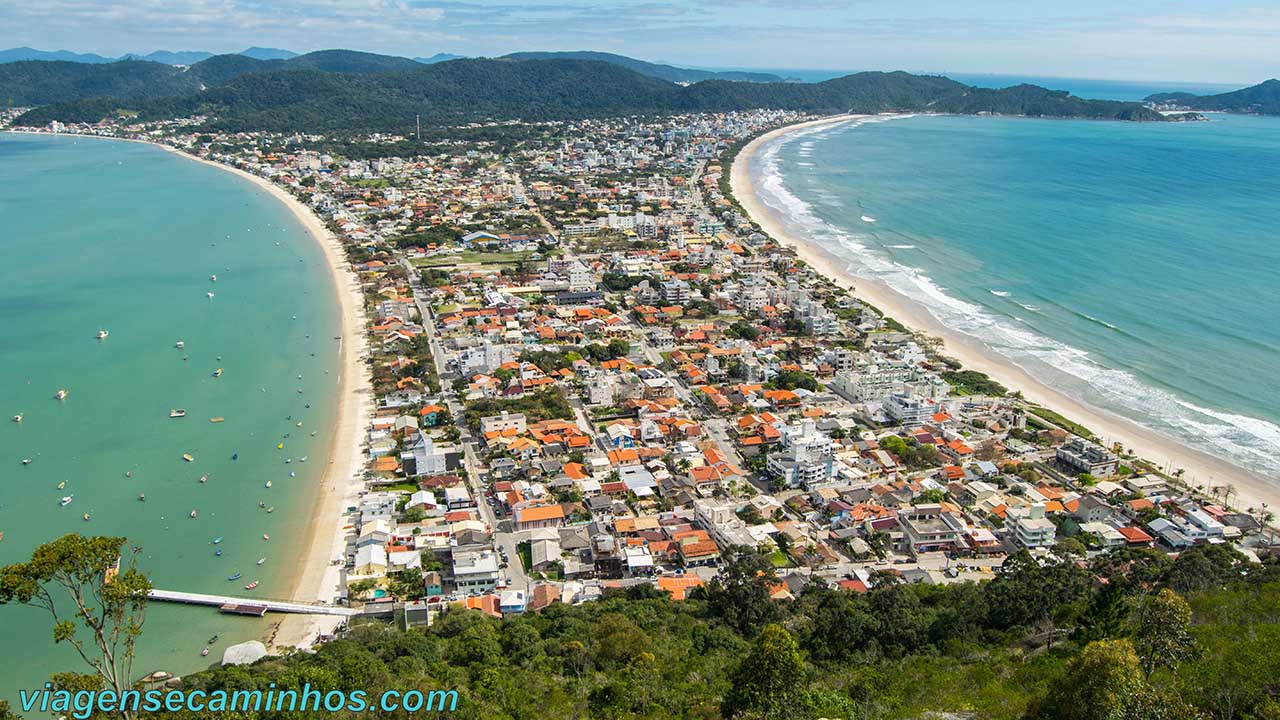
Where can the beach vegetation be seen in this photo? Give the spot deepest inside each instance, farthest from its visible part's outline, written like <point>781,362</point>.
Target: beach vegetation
<point>972,382</point>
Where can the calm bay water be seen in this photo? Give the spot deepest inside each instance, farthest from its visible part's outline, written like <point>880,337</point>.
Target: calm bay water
<point>1131,265</point>
<point>124,237</point>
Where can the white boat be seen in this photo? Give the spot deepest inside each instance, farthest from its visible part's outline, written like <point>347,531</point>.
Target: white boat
<point>17,418</point>
<point>27,461</point>
<point>193,513</point>
<point>217,373</point>
<point>261,560</point>
<point>66,500</point>
<point>213,278</point>
<point>210,295</point>
<point>177,413</point>
<point>61,394</point>
<point>868,219</point>
<point>102,334</point>
<point>268,483</point>
<point>180,344</point>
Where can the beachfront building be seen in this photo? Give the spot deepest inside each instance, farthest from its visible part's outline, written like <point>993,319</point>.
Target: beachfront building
<point>1083,456</point>
<point>909,410</point>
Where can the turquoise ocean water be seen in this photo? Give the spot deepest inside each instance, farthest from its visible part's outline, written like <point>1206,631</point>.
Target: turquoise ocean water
<point>1131,265</point>
<point>124,237</point>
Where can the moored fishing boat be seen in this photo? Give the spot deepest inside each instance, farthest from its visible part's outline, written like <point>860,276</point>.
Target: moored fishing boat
<point>216,419</point>
<point>61,394</point>
<point>102,334</point>
<point>66,500</point>
<point>234,577</point>
<point>188,457</point>
<point>177,413</point>
<point>251,585</point>
<point>217,373</point>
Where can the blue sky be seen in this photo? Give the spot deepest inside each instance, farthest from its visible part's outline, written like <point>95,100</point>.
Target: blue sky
<point>1226,41</point>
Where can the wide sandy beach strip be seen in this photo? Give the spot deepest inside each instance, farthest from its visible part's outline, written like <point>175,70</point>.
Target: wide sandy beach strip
<point>317,578</point>
<point>1251,490</point>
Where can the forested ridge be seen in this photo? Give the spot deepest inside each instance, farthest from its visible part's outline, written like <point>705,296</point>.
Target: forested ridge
<point>1110,639</point>
<point>336,91</point>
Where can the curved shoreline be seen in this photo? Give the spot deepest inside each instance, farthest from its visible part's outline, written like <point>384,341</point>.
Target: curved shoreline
<point>1200,468</point>
<point>316,579</point>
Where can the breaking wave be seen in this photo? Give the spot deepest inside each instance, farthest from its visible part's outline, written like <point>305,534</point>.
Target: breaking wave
<point>1248,442</point>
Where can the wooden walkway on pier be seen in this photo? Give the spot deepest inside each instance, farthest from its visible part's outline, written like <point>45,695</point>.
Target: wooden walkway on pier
<point>248,606</point>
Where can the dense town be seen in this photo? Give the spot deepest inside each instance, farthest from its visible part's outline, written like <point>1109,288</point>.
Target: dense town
<point>594,371</point>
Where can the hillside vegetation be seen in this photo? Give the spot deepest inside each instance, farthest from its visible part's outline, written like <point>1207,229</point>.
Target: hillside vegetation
<point>343,91</point>
<point>1035,642</point>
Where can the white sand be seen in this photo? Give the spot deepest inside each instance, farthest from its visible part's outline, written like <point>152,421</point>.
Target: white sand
<point>317,579</point>
<point>1202,469</point>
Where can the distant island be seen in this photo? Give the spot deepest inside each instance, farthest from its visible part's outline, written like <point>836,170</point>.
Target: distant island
<point>343,90</point>
<point>1260,99</point>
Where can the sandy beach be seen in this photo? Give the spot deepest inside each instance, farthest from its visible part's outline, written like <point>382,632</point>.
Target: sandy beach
<point>1201,470</point>
<point>317,578</point>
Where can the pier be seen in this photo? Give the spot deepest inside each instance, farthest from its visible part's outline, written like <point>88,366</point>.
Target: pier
<point>248,606</point>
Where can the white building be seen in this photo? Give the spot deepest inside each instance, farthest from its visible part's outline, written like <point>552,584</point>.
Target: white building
<point>1030,527</point>
<point>805,458</point>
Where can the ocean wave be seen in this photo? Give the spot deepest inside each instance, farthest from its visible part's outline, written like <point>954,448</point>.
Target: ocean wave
<point>868,219</point>
<point>1243,440</point>
<point>1095,320</point>
<point>1028,308</point>
<point>903,247</point>
<point>1000,293</point>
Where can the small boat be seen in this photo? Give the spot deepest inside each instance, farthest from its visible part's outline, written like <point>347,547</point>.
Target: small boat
<point>86,517</point>
<point>212,640</point>
<point>293,474</point>
<point>218,552</point>
<point>177,413</point>
<point>279,446</point>
<point>266,536</point>
<point>204,478</point>
<point>268,483</point>
<point>210,295</point>
<point>235,456</point>
<point>204,652</point>
<point>299,423</point>
<point>271,509</point>
<point>128,473</point>
<point>217,540</point>
<point>288,460</point>
<point>66,500</point>
<point>142,497</point>
<point>234,577</point>
<point>17,418</point>
<point>261,504</point>
<point>216,419</point>
<point>188,457</point>
<point>62,484</point>
<point>180,344</point>
<point>193,513</point>
<point>217,373</point>
<point>26,461</point>
<point>303,458</point>
<point>261,560</point>
<point>61,394</point>
<point>213,278</point>
<point>102,334</point>
<point>251,585</point>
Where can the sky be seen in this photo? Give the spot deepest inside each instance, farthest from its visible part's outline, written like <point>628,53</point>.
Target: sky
<point>1227,41</point>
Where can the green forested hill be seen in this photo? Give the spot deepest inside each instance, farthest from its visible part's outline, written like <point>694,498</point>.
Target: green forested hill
<point>658,70</point>
<point>1059,642</point>
<point>1263,99</point>
<point>306,94</point>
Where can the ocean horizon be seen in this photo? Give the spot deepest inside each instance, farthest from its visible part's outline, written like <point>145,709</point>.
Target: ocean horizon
<point>125,237</point>
<point>1124,264</point>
